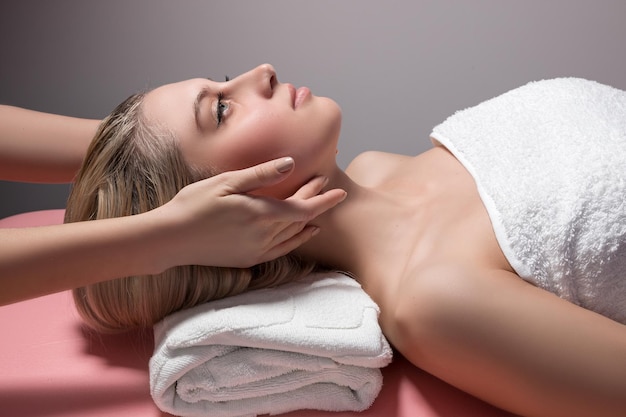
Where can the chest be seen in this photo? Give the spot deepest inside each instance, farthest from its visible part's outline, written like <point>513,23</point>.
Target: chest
<point>440,218</point>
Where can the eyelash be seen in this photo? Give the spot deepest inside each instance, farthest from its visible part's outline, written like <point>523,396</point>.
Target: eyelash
<point>219,111</point>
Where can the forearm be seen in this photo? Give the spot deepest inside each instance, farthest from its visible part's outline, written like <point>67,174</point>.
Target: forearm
<point>44,260</point>
<point>42,147</point>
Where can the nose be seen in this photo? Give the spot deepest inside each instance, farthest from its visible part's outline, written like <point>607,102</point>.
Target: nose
<point>262,79</point>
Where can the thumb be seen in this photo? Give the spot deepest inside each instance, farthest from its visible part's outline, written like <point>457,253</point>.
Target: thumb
<point>262,175</point>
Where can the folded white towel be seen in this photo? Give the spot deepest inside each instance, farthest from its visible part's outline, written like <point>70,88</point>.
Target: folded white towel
<point>549,160</point>
<point>310,344</point>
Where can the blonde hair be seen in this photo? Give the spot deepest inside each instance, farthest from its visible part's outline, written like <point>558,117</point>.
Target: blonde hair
<point>130,168</point>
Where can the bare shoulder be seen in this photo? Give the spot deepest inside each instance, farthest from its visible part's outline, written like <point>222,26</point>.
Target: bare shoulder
<point>451,289</point>
<point>442,300</point>
<point>373,167</point>
<point>461,280</point>
<point>516,333</point>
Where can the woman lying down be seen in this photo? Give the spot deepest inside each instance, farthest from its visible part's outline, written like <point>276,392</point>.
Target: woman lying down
<point>497,258</point>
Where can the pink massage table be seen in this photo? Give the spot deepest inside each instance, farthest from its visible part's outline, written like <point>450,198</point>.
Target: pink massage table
<point>50,365</point>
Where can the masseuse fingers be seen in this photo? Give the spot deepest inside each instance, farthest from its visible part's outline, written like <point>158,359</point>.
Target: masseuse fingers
<point>309,208</point>
<point>286,246</point>
<point>287,230</point>
<point>281,225</point>
<point>258,176</point>
<point>293,230</point>
<point>310,189</point>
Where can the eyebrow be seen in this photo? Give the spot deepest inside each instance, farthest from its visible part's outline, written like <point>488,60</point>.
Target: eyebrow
<point>196,105</point>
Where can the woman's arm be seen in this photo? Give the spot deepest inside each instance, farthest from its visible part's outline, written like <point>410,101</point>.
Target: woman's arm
<point>41,260</point>
<point>512,344</point>
<point>42,147</point>
<point>211,222</point>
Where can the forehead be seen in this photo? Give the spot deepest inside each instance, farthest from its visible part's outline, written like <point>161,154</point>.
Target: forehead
<point>171,105</point>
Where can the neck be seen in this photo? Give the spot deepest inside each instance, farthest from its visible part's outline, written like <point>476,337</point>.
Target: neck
<point>351,232</point>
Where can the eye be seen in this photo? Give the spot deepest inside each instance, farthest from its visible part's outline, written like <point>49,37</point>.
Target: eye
<point>220,108</point>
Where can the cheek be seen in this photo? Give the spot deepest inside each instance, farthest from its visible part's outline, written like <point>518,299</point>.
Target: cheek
<point>255,140</point>
<point>309,137</point>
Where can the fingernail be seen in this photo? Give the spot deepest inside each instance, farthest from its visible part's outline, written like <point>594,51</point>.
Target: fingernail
<point>284,165</point>
<point>345,194</point>
<point>315,231</point>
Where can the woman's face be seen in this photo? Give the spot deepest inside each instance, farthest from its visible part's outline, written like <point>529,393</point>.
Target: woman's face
<point>248,120</point>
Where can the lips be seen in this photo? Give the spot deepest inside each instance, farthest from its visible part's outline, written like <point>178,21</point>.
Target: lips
<point>297,96</point>
<point>301,94</point>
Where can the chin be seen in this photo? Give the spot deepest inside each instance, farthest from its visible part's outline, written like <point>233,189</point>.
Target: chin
<point>333,106</point>
<point>334,115</point>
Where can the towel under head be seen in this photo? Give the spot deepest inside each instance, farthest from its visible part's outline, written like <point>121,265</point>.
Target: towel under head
<point>314,343</point>
<point>549,161</point>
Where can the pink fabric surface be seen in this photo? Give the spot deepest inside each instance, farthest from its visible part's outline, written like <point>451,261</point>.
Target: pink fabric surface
<point>50,365</point>
<point>33,218</point>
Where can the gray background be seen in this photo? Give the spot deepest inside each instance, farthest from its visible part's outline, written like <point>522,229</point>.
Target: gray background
<point>397,68</point>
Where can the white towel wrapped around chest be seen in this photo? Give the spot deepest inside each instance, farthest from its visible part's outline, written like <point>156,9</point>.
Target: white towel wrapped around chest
<point>549,161</point>
<point>314,343</point>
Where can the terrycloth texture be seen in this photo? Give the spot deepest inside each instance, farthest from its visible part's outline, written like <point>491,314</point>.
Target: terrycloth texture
<point>549,160</point>
<point>311,344</point>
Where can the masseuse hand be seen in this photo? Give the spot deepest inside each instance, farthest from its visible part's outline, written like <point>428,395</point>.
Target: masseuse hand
<point>216,222</point>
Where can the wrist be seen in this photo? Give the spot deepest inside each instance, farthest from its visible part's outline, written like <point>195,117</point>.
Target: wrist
<point>160,232</point>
